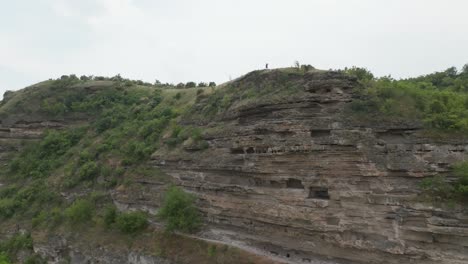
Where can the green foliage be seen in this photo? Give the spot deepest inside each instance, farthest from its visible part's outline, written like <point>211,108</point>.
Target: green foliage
<point>440,99</point>
<point>362,74</point>
<point>461,186</point>
<point>35,259</point>
<point>136,151</point>
<point>53,108</point>
<point>437,189</point>
<point>212,84</point>
<point>39,159</point>
<point>4,259</point>
<point>88,171</point>
<point>212,250</point>
<point>50,218</point>
<point>13,245</point>
<point>440,189</point>
<point>179,211</point>
<point>7,207</point>
<point>131,222</point>
<point>110,215</point>
<point>28,198</point>
<point>202,84</point>
<point>178,96</point>
<point>307,67</point>
<point>190,85</point>
<point>81,211</point>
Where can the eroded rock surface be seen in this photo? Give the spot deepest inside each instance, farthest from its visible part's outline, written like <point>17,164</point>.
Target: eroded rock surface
<point>301,179</point>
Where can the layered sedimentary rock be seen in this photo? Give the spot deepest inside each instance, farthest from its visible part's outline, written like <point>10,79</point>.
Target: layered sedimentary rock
<point>302,179</point>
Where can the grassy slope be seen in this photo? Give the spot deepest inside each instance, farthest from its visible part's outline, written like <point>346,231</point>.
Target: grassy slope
<point>123,125</point>
<point>126,123</point>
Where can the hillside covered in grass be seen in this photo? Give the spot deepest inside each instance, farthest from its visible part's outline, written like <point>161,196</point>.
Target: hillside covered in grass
<point>113,126</point>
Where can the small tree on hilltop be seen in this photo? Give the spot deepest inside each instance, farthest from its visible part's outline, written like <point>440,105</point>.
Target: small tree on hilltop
<point>190,85</point>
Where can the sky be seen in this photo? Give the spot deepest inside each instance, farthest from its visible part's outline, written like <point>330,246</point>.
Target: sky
<point>216,40</point>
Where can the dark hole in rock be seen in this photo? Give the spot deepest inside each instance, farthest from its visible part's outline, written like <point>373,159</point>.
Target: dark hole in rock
<point>259,182</point>
<point>237,151</point>
<point>250,150</point>
<point>294,184</point>
<point>320,132</point>
<point>275,184</point>
<point>287,255</point>
<point>319,193</point>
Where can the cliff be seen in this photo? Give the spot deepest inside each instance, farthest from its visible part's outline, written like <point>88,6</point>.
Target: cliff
<point>294,174</point>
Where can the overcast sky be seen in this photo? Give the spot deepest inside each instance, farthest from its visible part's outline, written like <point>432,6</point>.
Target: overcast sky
<point>205,40</point>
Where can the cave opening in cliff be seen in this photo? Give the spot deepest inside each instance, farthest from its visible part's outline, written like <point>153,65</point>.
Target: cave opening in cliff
<point>294,184</point>
<point>320,132</point>
<point>319,193</point>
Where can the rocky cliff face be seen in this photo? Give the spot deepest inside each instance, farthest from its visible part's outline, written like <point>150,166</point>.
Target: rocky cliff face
<point>301,179</point>
<point>304,180</point>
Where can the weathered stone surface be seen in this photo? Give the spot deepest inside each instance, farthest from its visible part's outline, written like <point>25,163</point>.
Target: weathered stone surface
<point>58,250</point>
<point>302,179</point>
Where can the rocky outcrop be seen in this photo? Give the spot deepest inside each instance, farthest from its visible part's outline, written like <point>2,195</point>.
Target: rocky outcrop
<point>300,179</point>
<point>303,180</point>
<point>59,250</point>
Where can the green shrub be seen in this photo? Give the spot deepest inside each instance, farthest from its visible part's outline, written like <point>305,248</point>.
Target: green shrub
<point>178,96</point>
<point>80,211</point>
<point>16,243</point>
<point>7,207</point>
<point>212,250</point>
<point>55,217</point>
<point>136,151</point>
<point>39,219</point>
<point>439,189</point>
<point>131,222</point>
<point>39,159</point>
<point>179,211</point>
<point>361,74</point>
<point>35,259</point>
<point>190,85</point>
<point>110,215</point>
<point>88,171</point>
<point>84,157</point>
<point>461,186</point>
<point>440,99</point>
<point>4,259</point>
<point>53,108</point>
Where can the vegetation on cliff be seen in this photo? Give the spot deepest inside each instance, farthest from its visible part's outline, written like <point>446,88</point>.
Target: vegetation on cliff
<point>439,100</point>
<point>65,178</point>
<point>439,189</point>
<point>179,211</point>
<point>124,125</point>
